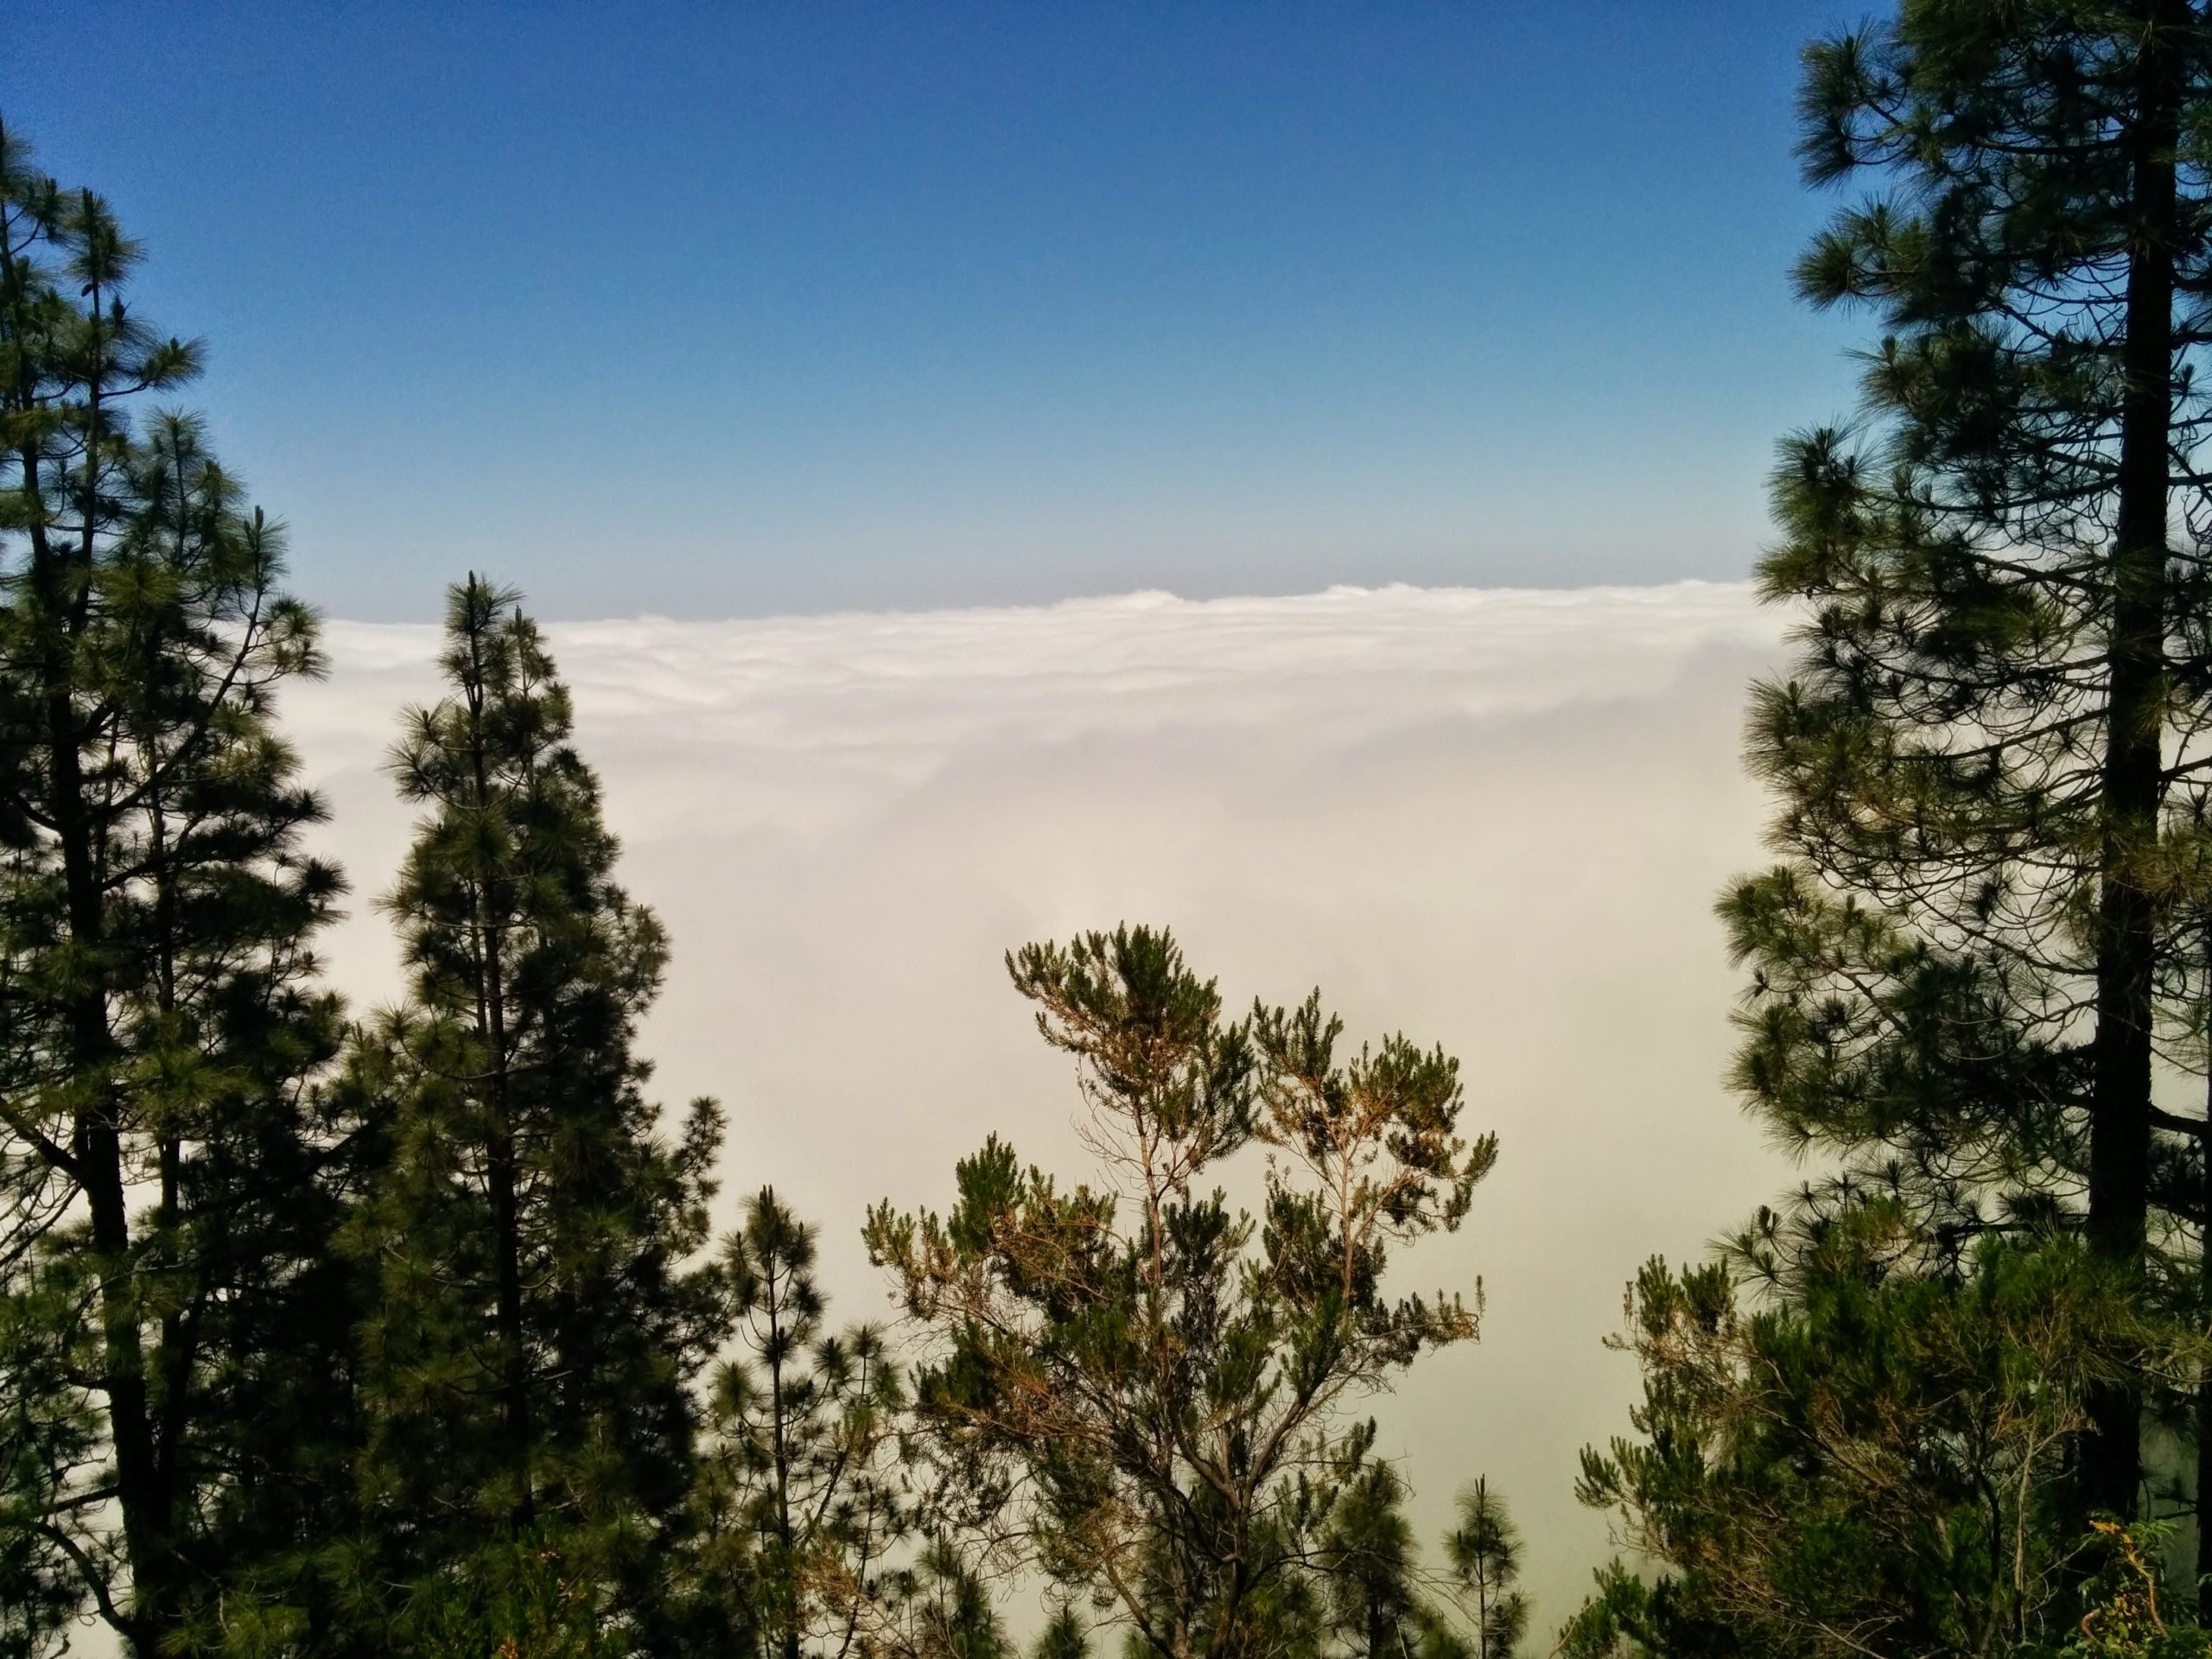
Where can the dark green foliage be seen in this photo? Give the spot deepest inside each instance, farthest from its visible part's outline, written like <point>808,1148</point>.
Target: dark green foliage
<point>1986,755</point>
<point>537,1324</point>
<point>941,1608</point>
<point>171,1183</point>
<point>797,1510</point>
<point>1860,1035</point>
<point>1375,1600</point>
<point>1152,1410</point>
<point>520,1600</point>
<point>1877,1461</point>
<point>1368,1596</point>
<point>1630,1618</point>
<point>50,1439</point>
<point>1064,1637</point>
<point>1369,1560</point>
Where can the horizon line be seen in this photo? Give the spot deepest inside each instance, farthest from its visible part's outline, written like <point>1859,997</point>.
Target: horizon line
<point>1131,599</point>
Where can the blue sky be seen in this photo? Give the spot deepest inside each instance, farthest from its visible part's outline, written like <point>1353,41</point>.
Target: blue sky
<point>739,309</point>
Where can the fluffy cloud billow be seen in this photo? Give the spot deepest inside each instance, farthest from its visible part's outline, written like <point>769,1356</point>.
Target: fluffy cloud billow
<point>1493,819</point>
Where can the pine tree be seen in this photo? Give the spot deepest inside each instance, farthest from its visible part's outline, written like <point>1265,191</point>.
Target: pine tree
<point>164,1162</point>
<point>1063,1637</point>
<point>798,1512</point>
<point>1988,753</point>
<point>1484,1554</point>
<point>1877,1459</point>
<point>941,1609</point>
<point>1383,1604</point>
<point>1368,1567</point>
<point>1154,1407</point>
<point>538,1321</point>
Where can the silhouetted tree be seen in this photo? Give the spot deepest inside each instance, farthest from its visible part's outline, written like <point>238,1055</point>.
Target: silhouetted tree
<point>539,1323</point>
<point>167,1295</point>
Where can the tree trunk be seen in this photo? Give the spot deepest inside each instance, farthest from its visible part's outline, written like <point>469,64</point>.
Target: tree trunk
<point>2204,1292</point>
<point>2120,1127</point>
<point>97,1132</point>
<point>501,1154</point>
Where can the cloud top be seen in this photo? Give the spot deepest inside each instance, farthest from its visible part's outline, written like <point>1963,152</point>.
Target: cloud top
<point>1493,819</point>
<point>822,712</point>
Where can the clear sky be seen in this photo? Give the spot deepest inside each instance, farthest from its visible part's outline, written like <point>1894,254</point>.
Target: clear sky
<point>734,309</point>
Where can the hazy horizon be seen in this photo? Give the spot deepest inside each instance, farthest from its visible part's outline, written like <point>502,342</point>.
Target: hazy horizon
<point>726,309</point>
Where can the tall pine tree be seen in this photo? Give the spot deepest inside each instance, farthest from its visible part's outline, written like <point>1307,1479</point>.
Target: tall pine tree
<point>166,1207</point>
<point>538,1321</point>
<point>1988,754</point>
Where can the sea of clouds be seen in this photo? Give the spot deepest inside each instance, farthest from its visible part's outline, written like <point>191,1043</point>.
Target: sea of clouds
<point>1493,819</point>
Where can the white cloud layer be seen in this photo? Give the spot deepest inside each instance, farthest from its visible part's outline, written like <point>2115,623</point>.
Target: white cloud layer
<point>1494,819</point>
